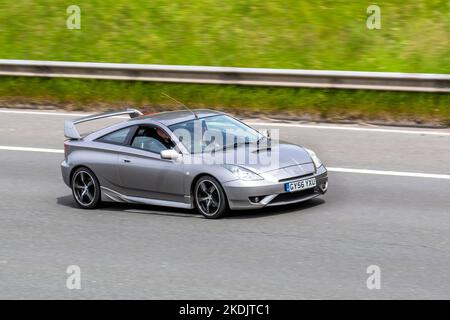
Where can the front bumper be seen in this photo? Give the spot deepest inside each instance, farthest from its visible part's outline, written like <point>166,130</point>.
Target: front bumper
<point>242,194</point>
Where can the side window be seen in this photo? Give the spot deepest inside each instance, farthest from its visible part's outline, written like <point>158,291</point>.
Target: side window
<point>151,139</point>
<point>116,137</point>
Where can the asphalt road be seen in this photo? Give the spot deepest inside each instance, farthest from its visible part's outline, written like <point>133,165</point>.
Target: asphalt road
<point>318,250</point>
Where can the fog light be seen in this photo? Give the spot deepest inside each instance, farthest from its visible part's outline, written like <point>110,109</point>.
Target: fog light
<point>256,199</point>
<point>324,186</point>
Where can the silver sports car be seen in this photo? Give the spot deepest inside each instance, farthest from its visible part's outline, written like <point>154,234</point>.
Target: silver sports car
<point>194,158</point>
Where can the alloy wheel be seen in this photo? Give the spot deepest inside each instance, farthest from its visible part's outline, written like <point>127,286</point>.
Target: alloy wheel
<point>208,197</point>
<point>84,188</point>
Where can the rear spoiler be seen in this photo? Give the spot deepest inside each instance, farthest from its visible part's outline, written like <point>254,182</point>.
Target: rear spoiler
<point>71,132</point>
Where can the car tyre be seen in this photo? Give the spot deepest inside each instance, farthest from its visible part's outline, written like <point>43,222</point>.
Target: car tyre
<point>85,188</point>
<point>210,199</point>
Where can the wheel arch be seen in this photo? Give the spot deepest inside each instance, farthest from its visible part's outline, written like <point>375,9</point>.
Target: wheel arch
<point>194,182</point>
<point>76,168</point>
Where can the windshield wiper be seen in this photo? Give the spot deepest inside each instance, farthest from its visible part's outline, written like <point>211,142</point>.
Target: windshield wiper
<point>260,139</point>
<point>235,145</point>
<point>266,146</point>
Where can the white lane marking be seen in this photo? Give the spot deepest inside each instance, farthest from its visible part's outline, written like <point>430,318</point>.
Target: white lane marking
<point>44,113</point>
<point>53,113</point>
<point>9,148</point>
<point>391,173</point>
<point>277,124</point>
<point>312,126</point>
<point>331,169</point>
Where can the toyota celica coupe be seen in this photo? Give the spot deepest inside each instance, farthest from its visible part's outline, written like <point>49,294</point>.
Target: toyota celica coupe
<point>200,159</point>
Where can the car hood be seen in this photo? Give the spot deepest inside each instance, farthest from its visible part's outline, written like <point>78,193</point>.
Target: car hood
<point>281,159</point>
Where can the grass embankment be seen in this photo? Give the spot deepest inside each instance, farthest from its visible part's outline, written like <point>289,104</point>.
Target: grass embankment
<point>414,37</point>
<point>306,103</point>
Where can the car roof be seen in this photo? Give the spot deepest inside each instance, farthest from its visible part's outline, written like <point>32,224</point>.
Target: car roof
<point>168,118</point>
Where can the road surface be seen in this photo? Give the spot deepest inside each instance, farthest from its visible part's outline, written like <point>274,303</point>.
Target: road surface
<point>390,208</point>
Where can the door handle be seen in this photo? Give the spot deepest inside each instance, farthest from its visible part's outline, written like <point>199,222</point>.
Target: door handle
<point>126,160</point>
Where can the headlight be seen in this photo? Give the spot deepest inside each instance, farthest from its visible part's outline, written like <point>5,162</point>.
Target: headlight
<point>242,173</point>
<point>314,158</point>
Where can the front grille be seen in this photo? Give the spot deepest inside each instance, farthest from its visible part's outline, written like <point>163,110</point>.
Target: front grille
<point>296,177</point>
<point>292,196</point>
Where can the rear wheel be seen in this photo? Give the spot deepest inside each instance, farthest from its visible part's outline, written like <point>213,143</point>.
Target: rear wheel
<point>85,188</point>
<point>210,199</point>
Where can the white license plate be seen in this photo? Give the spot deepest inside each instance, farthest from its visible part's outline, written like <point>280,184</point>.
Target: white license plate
<point>300,185</point>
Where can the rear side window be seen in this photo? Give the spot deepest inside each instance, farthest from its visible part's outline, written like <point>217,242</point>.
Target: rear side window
<point>116,137</point>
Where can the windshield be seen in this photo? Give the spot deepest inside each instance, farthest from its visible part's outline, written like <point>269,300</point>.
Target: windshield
<point>214,133</point>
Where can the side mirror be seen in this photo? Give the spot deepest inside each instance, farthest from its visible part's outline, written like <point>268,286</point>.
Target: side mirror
<point>169,154</point>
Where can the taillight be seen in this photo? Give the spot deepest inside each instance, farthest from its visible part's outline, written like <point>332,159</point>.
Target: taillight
<point>66,149</point>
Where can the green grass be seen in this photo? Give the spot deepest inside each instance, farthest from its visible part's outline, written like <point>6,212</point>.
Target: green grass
<point>78,94</point>
<point>331,34</point>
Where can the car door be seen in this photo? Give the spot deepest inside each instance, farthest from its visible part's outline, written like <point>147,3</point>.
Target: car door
<point>102,156</point>
<point>142,172</point>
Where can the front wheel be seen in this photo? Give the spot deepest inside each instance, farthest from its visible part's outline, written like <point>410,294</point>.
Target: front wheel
<point>85,188</point>
<point>210,199</point>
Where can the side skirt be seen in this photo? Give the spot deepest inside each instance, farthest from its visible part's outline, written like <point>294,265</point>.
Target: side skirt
<point>111,195</point>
